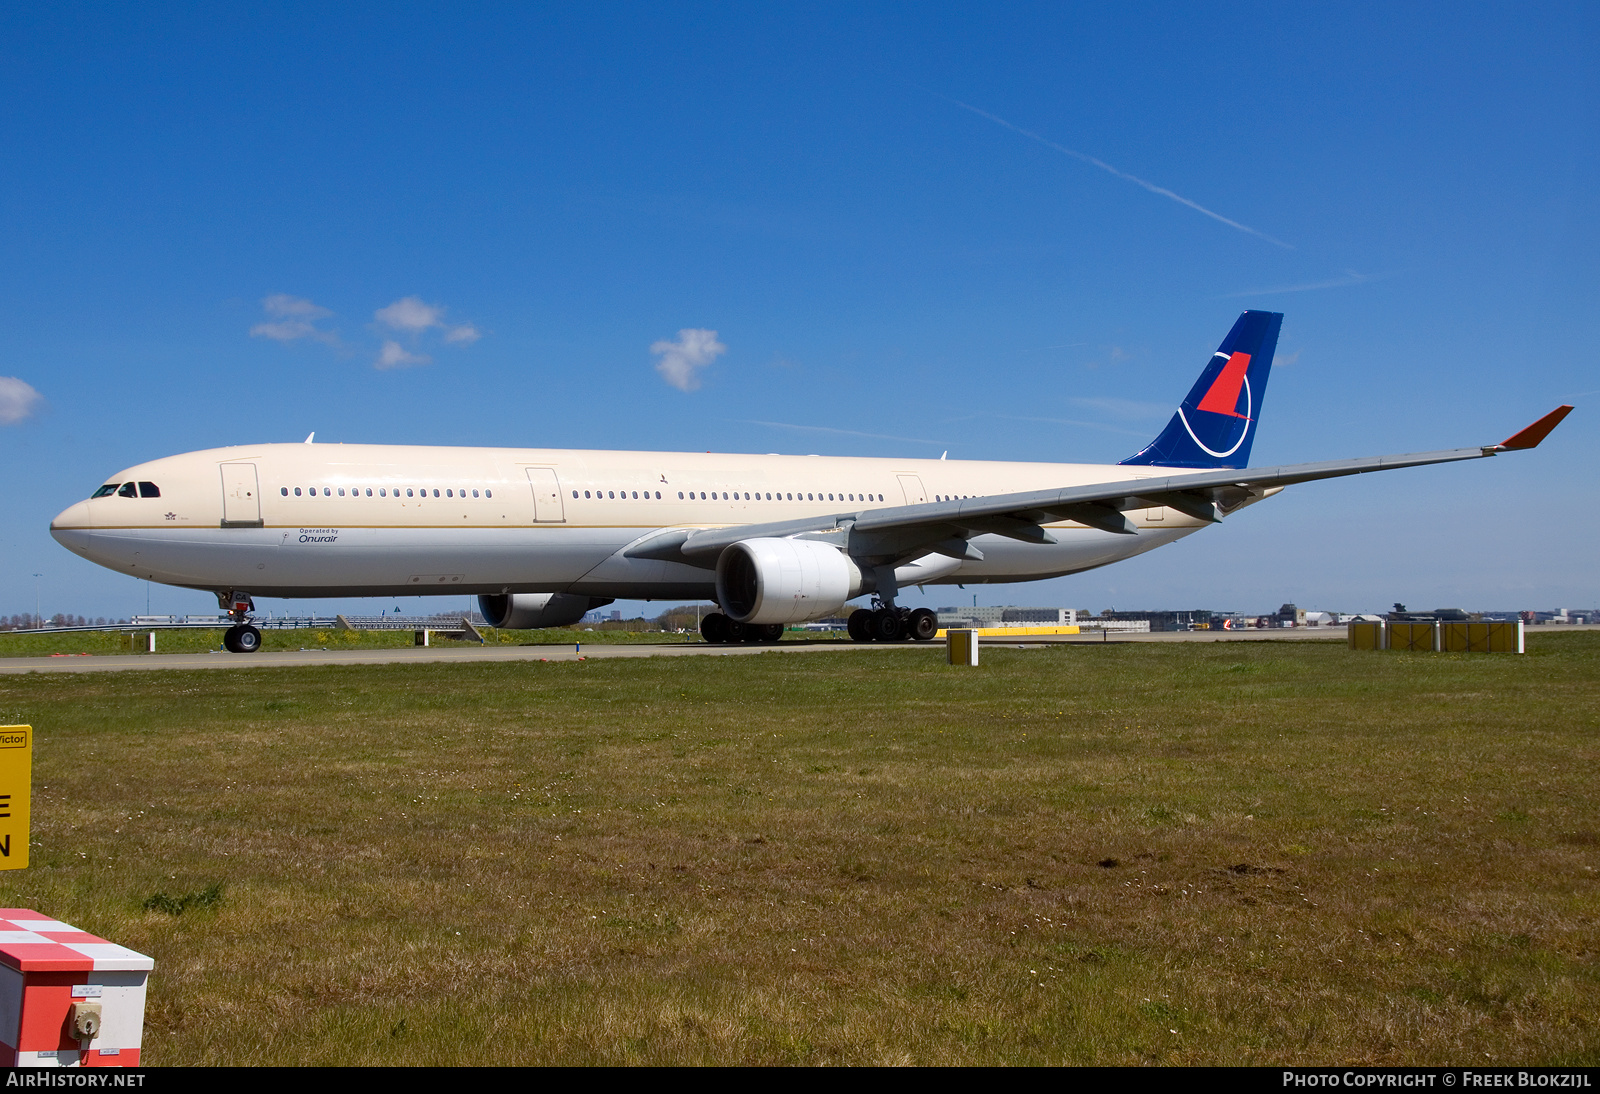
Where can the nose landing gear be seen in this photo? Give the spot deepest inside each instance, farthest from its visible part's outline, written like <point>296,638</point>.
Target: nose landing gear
<point>241,637</point>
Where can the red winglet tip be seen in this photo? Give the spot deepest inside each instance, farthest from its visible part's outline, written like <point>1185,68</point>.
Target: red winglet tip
<point>1538,431</point>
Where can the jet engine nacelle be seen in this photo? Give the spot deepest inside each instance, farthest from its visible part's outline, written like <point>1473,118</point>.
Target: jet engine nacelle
<point>527,611</point>
<point>784,580</point>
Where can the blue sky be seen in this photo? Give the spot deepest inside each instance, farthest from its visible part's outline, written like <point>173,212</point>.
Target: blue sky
<point>1010,233</point>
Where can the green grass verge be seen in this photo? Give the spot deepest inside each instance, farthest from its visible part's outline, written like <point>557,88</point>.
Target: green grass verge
<point>1233,853</point>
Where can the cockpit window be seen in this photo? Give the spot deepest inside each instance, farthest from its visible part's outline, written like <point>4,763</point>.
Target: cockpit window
<point>105,491</point>
<point>149,490</point>
<point>129,490</point>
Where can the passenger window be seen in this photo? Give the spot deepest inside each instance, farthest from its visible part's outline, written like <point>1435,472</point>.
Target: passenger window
<point>297,491</point>
<point>488,493</point>
<point>436,493</point>
<point>409,494</point>
<point>284,490</point>
<point>475,493</point>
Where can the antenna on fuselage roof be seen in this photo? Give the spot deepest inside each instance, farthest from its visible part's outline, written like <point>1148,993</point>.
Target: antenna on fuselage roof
<point>945,453</point>
<point>310,435</point>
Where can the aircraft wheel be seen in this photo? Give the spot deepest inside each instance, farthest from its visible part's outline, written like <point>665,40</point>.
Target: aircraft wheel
<point>764,633</point>
<point>736,630</point>
<point>860,625</point>
<point>230,639</point>
<point>886,626</point>
<point>714,628</point>
<point>923,625</point>
<point>248,640</point>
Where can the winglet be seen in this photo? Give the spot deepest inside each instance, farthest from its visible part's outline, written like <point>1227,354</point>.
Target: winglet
<point>1538,431</point>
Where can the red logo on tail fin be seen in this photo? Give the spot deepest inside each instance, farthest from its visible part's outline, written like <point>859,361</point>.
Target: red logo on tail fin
<point>1223,395</point>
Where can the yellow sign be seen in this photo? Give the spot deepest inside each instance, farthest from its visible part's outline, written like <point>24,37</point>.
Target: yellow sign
<point>16,784</point>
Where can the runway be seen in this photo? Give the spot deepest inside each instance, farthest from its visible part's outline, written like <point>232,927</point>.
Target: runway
<point>462,654</point>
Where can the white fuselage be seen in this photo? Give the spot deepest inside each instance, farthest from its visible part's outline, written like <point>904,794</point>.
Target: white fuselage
<point>303,520</point>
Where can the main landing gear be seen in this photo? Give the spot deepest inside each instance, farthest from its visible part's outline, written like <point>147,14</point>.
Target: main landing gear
<point>891,624</point>
<point>718,629</point>
<point>241,637</point>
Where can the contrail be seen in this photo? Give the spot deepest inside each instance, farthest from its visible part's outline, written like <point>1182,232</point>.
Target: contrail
<point>1350,278</point>
<point>1106,167</point>
<point>841,432</point>
<point>1101,426</point>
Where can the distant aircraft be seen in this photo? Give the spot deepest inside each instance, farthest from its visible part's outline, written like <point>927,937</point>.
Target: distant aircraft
<point>543,536</point>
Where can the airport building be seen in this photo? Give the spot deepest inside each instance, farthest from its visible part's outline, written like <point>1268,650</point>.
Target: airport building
<point>1007,616</point>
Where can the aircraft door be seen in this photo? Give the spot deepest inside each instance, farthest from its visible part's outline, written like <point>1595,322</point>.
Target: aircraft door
<point>912,485</point>
<point>241,496</point>
<point>548,507</point>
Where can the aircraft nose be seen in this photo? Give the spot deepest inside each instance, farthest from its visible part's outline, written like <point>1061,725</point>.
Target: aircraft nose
<point>71,518</point>
<point>72,527</point>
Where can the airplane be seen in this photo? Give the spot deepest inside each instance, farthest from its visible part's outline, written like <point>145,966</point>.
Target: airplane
<point>543,536</point>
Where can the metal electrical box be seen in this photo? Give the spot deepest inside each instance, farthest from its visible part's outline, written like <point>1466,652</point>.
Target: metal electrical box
<point>67,998</point>
<point>962,646</point>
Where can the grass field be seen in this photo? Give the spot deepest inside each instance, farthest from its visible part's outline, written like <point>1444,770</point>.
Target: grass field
<point>1250,853</point>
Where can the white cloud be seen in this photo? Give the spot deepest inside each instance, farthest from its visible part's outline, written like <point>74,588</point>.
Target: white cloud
<point>286,331</point>
<point>681,360</point>
<point>17,400</point>
<point>296,317</point>
<point>410,315</point>
<point>285,306</point>
<point>394,355</point>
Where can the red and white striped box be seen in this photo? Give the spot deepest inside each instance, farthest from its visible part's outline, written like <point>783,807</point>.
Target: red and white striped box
<point>45,967</point>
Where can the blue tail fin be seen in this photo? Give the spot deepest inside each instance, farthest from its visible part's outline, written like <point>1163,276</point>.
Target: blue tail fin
<point>1216,422</point>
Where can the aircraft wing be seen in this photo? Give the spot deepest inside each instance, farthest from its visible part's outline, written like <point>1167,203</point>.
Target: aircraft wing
<point>892,534</point>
